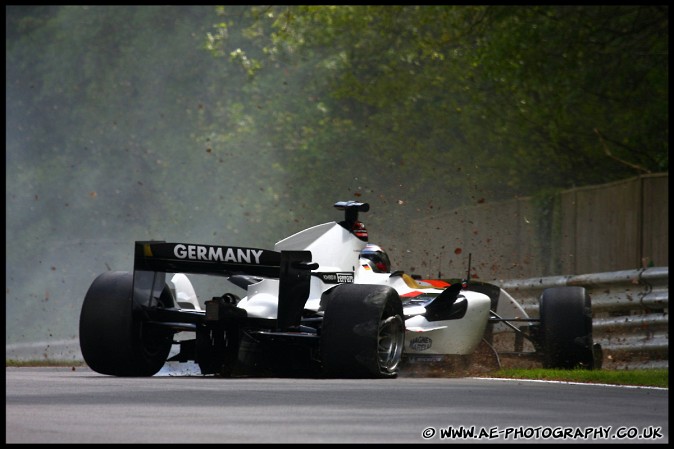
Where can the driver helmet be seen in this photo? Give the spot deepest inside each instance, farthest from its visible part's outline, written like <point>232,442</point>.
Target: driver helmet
<point>377,258</point>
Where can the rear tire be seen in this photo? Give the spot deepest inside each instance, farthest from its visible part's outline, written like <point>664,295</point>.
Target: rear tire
<point>363,331</point>
<point>566,328</point>
<point>112,340</point>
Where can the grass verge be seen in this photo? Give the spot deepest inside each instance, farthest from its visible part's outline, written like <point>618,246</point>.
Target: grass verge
<point>638,377</point>
<point>45,363</point>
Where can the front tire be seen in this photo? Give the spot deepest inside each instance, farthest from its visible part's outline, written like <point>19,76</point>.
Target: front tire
<point>363,331</point>
<point>566,328</point>
<point>112,340</point>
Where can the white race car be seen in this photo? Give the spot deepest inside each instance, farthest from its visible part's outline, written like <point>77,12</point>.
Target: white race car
<point>320,304</point>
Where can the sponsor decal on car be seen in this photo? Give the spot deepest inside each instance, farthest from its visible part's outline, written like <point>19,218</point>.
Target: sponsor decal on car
<point>335,278</point>
<point>217,253</point>
<point>421,343</point>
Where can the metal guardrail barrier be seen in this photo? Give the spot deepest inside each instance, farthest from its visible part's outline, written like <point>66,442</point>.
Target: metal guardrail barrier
<point>629,308</point>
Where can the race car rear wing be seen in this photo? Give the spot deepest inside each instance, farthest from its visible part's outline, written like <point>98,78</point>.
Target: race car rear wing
<point>153,259</point>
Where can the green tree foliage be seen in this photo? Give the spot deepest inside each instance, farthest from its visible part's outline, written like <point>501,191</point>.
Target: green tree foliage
<point>467,100</point>
<point>583,91</point>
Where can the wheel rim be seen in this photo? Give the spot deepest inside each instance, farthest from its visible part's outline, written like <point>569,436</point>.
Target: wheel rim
<point>390,343</point>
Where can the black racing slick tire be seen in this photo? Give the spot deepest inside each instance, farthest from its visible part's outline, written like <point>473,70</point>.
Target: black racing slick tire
<point>363,331</point>
<point>566,328</point>
<point>112,339</point>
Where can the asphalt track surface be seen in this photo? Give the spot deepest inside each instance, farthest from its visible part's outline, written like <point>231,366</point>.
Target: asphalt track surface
<point>77,405</point>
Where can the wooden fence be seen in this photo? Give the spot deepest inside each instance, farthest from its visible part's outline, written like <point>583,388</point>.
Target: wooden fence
<point>618,226</point>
